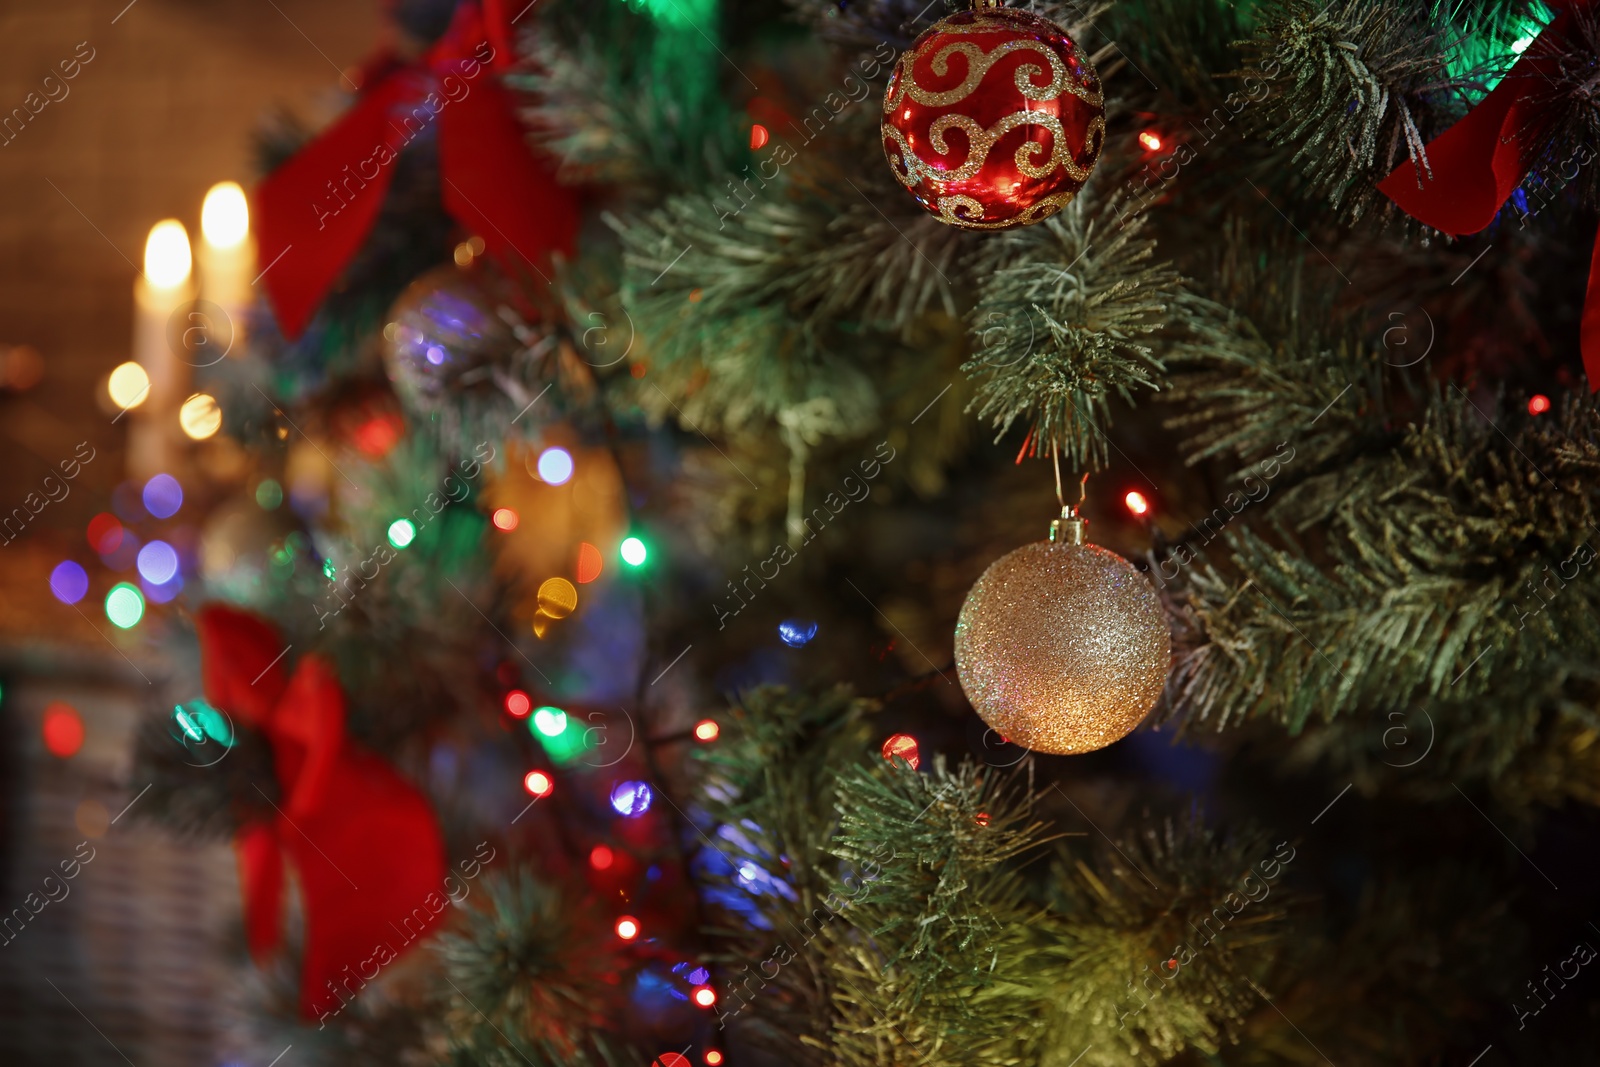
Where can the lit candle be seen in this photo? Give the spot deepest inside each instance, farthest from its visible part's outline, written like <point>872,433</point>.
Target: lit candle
<point>161,290</point>
<point>227,258</point>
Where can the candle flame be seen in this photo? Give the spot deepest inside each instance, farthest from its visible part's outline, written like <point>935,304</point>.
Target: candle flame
<point>167,260</point>
<point>225,216</point>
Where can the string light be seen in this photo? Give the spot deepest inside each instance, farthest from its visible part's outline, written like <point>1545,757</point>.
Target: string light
<point>504,519</point>
<point>632,799</point>
<point>124,606</point>
<point>200,416</point>
<point>157,562</point>
<point>555,466</point>
<point>1151,140</point>
<point>105,532</point>
<point>552,722</point>
<point>601,858</point>
<point>518,704</point>
<point>163,496</point>
<point>634,552</point>
<point>69,582</point>
<point>706,730</point>
<point>167,259</point>
<point>758,136</point>
<point>128,386</point>
<point>590,563</point>
<point>796,633</point>
<point>705,996</point>
<point>713,1058</point>
<point>225,215</point>
<point>1538,404</point>
<point>402,532</point>
<point>538,784</point>
<point>558,598</point>
<point>627,928</point>
<point>902,746</point>
<point>1136,502</point>
<point>62,729</point>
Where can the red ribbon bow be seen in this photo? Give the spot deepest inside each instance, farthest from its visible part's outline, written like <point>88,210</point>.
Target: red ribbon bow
<point>1479,162</point>
<point>314,212</point>
<point>363,841</point>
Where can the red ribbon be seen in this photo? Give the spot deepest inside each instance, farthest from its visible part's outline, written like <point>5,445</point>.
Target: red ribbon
<point>1481,160</point>
<point>314,212</point>
<point>363,841</point>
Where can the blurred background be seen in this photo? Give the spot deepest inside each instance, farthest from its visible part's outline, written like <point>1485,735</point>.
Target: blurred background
<point>164,104</point>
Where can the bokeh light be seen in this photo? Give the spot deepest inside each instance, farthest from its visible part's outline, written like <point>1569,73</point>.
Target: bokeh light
<point>632,799</point>
<point>590,563</point>
<point>128,386</point>
<point>124,606</point>
<point>402,532</point>
<point>902,746</point>
<point>705,996</point>
<point>670,1059</point>
<point>550,721</point>
<point>627,928</point>
<point>162,496</point>
<point>538,784</point>
<point>269,494</point>
<point>555,466</point>
<point>633,552</point>
<point>69,582</point>
<point>518,704</point>
<point>713,1058</point>
<point>706,730</point>
<point>1538,404</point>
<point>601,858</point>
<point>504,519</point>
<point>200,416</point>
<point>558,598</point>
<point>1136,502</point>
<point>1151,140</point>
<point>92,819</point>
<point>104,532</point>
<point>158,562</point>
<point>796,633</point>
<point>167,259</point>
<point>225,215</point>
<point>62,729</point>
<point>759,136</point>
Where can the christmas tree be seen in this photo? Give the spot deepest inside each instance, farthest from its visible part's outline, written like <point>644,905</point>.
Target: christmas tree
<point>594,666</point>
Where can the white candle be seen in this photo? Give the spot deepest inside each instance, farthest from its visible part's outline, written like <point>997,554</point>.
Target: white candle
<point>227,259</point>
<point>161,290</point>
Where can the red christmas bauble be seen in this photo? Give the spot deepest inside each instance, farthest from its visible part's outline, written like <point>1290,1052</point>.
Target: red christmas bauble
<point>993,118</point>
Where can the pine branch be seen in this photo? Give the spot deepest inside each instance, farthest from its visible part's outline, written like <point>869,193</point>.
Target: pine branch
<point>1066,319</point>
<point>1351,86</point>
<point>527,966</point>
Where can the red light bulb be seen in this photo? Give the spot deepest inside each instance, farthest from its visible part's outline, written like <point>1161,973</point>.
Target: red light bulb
<point>538,784</point>
<point>902,746</point>
<point>518,704</point>
<point>1151,140</point>
<point>627,928</point>
<point>1538,404</point>
<point>504,519</point>
<point>705,996</point>
<point>1136,502</point>
<point>706,730</point>
<point>601,858</point>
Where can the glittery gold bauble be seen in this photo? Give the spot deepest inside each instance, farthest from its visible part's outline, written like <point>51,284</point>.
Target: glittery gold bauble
<point>1062,647</point>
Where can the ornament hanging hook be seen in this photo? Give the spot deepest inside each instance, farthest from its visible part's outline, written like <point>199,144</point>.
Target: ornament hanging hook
<point>1070,528</point>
